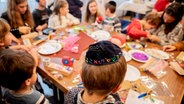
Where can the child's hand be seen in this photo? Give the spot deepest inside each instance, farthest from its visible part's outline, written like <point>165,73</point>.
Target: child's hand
<point>154,38</point>
<point>70,23</point>
<point>25,47</point>
<point>39,28</point>
<point>13,38</point>
<point>22,47</point>
<point>33,52</point>
<point>169,48</point>
<point>24,29</point>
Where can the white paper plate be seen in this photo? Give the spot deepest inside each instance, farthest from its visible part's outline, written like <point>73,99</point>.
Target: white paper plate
<point>139,55</point>
<point>157,53</point>
<point>132,73</point>
<point>126,55</point>
<point>134,45</point>
<point>49,48</point>
<point>100,35</point>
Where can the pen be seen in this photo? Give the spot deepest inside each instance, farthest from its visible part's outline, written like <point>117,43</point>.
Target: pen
<point>142,95</point>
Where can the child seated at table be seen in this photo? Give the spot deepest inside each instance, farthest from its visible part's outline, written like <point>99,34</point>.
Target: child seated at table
<point>91,13</point>
<point>111,22</point>
<point>139,28</point>
<point>102,74</point>
<point>6,37</point>
<point>18,75</point>
<point>61,17</point>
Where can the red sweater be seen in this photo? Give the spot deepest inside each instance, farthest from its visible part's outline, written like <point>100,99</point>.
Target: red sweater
<point>160,5</point>
<point>134,30</point>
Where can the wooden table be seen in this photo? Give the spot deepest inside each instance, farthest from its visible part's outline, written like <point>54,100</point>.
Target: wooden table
<point>174,81</point>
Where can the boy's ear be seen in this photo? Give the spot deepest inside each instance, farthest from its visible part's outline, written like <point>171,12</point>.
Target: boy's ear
<point>27,82</point>
<point>1,43</point>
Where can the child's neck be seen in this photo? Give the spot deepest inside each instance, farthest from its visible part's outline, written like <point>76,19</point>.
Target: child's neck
<point>62,14</point>
<point>23,90</point>
<point>92,98</point>
<point>111,15</point>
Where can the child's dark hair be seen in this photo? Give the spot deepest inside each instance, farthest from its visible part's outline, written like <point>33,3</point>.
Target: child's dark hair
<point>176,11</point>
<point>15,68</point>
<point>111,5</point>
<point>4,28</point>
<point>153,18</point>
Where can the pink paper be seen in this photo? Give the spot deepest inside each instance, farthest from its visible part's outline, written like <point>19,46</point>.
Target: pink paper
<point>70,42</point>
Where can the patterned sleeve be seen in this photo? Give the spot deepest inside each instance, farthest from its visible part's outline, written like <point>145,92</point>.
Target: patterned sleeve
<point>117,25</point>
<point>69,97</point>
<point>174,36</point>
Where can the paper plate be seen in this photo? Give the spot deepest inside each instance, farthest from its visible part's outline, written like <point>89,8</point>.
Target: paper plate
<point>157,53</point>
<point>133,45</point>
<point>126,55</point>
<point>49,48</point>
<point>132,73</point>
<point>100,35</point>
<point>139,55</point>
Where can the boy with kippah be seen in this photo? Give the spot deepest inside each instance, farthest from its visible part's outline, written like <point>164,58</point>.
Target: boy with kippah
<point>111,18</point>
<point>102,74</point>
<point>18,75</point>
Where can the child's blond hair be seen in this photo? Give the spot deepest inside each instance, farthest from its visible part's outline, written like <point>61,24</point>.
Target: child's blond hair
<point>153,18</point>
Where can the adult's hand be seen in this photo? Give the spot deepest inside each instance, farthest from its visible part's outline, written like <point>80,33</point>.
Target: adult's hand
<point>169,48</point>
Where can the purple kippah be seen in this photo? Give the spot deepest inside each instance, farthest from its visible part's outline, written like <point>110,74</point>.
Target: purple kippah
<point>103,52</point>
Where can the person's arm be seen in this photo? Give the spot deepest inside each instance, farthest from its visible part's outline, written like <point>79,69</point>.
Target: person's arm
<point>51,22</point>
<point>36,17</point>
<point>179,46</point>
<point>74,21</point>
<point>134,30</point>
<point>117,25</point>
<point>174,36</point>
<point>14,39</point>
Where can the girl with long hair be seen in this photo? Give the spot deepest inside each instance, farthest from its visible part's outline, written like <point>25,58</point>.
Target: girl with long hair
<point>19,17</point>
<point>91,12</point>
<point>61,17</point>
<point>170,29</point>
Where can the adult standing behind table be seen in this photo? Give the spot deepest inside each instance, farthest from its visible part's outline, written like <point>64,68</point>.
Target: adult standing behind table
<point>75,8</point>
<point>160,6</point>
<point>170,29</point>
<point>41,15</point>
<point>19,17</point>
